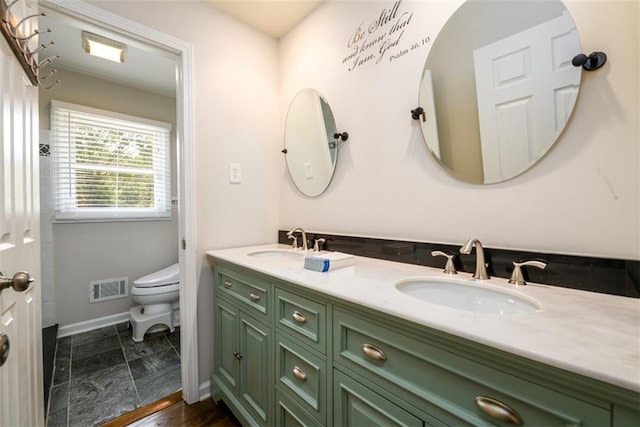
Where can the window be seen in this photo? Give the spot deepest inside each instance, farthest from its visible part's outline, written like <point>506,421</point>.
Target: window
<point>108,166</point>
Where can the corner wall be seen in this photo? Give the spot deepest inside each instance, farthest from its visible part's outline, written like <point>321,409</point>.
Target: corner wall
<point>582,198</point>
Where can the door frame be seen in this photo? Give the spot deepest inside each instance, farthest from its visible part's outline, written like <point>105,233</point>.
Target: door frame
<point>186,173</point>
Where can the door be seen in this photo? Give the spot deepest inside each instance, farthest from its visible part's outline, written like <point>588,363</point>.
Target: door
<point>227,366</point>
<point>21,386</point>
<point>256,387</point>
<point>526,88</point>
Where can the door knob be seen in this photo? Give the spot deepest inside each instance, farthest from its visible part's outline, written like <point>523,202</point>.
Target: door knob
<point>4,348</point>
<point>20,281</point>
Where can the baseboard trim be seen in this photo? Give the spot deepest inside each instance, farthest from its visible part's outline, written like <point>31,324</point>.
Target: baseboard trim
<point>205,391</point>
<point>89,325</point>
<point>100,322</point>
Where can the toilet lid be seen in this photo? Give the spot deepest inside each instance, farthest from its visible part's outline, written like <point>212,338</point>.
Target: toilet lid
<point>166,276</point>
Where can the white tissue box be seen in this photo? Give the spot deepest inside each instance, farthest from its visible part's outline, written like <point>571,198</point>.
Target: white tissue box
<point>329,261</point>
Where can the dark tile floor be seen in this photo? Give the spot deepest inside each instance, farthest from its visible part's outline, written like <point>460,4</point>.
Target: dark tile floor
<point>101,374</point>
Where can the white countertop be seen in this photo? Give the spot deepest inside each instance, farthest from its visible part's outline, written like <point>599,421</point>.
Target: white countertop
<point>591,334</point>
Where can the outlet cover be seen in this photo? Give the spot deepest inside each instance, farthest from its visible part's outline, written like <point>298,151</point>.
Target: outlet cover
<point>235,173</point>
<point>308,170</point>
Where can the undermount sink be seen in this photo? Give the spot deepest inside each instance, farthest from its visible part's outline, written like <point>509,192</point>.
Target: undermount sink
<point>278,254</point>
<point>466,295</point>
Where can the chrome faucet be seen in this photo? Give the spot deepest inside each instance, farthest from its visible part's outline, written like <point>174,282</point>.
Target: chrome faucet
<point>319,243</point>
<point>295,241</point>
<point>481,267</point>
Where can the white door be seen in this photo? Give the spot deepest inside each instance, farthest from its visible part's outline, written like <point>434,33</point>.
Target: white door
<point>21,386</point>
<point>429,127</point>
<point>526,89</point>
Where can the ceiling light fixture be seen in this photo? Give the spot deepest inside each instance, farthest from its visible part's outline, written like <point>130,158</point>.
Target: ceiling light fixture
<point>103,47</point>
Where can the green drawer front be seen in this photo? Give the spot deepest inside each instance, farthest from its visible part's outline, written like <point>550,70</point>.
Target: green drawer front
<point>301,376</point>
<point>625,417</point>
<point>303,318</point>
<point>249,292</point>
<point>356,405</point>
<point>289,414</point>
<point>448,381</point>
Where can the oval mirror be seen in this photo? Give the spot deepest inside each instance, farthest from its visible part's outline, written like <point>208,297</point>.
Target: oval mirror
<point>498,87</point>
<point>310,146</point>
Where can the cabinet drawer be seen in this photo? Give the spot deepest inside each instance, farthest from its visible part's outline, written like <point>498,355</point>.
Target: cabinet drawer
<point>302,318</point>
<point>289,414</point>
<point>451,383</point>
<point>302,376</point>
<point>251,293</point>
<point>356,405</point>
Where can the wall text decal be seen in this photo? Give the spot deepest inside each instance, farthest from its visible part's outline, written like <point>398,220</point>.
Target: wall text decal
<point>380,41</point>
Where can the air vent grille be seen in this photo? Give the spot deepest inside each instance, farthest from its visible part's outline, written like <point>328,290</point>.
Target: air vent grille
<point>103,290</point>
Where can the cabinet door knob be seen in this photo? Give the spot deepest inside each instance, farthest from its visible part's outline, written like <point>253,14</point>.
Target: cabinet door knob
<point>228,283</point>
<point>299,317</point>
<point>498,410</point>
<point>374,352</point>
<point>237,355</point>
<point>254,296</point>
<point>299,374</point>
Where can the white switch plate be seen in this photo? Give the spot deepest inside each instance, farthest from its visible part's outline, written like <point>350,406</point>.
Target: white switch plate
<point>235,173</point>
<point>308,171</point>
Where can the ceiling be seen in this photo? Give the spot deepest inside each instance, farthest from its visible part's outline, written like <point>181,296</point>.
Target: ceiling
<point>147,67</point>
<point>273,17</point>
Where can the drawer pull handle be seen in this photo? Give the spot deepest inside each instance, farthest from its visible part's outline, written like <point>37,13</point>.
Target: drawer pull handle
<point>374,352</point>
<point>254,296</point>
<point>237,355</point>
<point>228,283</point>
<point>299,317</point>
<point>498,410</point>
<point>299,374</point>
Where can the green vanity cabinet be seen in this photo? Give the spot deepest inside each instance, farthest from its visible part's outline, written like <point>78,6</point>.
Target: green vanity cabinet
<point>244,346</point>
<point>289,356</point>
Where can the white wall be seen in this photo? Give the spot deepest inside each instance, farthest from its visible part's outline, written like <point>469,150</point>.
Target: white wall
<point>236,120</point>
<point>582,198</point>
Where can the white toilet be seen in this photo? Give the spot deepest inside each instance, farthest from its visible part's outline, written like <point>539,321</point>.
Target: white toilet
<point>157,293</point>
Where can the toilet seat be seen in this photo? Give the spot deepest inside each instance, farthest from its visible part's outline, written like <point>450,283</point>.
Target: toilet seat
<point>167,276</point>
<point>135,290</point>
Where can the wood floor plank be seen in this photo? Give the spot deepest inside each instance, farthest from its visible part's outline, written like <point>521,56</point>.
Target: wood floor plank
<point>170,412</point>
<point>145,411</point>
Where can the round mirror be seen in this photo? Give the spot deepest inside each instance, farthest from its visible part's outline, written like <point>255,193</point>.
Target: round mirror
<point>498,87</point>
<point>310,146</point>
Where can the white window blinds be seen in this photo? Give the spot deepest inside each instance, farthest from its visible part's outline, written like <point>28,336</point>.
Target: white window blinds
<point>108,166</point>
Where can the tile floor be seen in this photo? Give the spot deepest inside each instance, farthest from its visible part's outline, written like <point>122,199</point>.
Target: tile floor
<point>101,374</point>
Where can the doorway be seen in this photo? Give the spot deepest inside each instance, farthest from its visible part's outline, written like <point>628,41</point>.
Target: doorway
<point>164,45</point>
